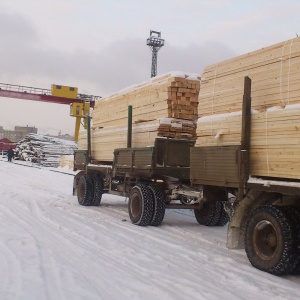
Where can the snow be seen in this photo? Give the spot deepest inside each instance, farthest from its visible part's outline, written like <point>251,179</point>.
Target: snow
<point>267,182</point>
<point>220,117</point>
<point>155,81</point>
<point>287,107</point>
<point>54,249</point>
<point>171,121</point>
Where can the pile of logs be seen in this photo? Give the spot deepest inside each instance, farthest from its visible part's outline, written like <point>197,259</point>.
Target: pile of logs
<point>275,76</point>
<point>43,150</point>
<point>166,106</point>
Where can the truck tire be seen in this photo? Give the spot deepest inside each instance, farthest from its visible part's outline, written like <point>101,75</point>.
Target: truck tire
<point>85,190</point>
<point>224,216</point>
<point>209,214</point>
<point>159,205</point>
<point>98,190</point>
<point>141,205</point>
<point>270,240</point>
<point>294,215</point>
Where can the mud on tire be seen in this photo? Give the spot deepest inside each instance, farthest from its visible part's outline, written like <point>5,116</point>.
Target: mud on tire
<point>209,214</point>
<point>141,205</point>
<point>85,190</point>
<point>270,240</point>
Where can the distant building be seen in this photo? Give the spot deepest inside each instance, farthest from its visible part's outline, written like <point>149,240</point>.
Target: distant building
<point>66,137</point>
<point>18,134</point>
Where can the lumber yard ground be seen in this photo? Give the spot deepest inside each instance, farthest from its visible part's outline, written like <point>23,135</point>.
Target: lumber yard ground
<point>53,249</point>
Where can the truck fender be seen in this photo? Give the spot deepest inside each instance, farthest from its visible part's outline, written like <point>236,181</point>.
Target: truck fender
<point>241,211</point>
<point>76,180</point>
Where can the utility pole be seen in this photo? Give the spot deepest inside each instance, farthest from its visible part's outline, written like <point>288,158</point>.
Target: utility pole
<point>155,42</point>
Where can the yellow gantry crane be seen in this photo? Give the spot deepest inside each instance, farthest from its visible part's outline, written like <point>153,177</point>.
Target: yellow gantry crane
<point>80,104</point>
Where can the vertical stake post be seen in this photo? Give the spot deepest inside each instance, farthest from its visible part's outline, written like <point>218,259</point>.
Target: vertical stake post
<point>89,138</point>
<point>129,127</point>
<point>245,138</point>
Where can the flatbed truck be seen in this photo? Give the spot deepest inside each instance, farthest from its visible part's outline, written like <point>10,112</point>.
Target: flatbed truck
<point>263,213</point>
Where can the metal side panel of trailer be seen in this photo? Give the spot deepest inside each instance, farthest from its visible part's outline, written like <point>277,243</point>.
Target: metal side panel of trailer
<point>169,157</point>
<point>217,166</point>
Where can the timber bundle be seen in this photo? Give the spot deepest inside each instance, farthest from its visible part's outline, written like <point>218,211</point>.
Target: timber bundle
<point>210,113</point>
<point>275,93</point>
<point>166,106</point>
<point>43,150</point>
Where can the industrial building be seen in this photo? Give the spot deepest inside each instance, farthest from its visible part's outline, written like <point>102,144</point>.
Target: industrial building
<point>18,134</point>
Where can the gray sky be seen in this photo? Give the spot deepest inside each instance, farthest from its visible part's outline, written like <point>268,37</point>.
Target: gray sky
<point>100,47</point>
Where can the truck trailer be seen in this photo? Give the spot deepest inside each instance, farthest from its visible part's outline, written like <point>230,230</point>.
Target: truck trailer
<point>263,213</point>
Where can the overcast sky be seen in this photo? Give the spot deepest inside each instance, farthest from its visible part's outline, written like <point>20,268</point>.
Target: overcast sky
<point>100,46</point>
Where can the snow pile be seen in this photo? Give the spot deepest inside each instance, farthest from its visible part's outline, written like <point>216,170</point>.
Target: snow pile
<point>43,150</point>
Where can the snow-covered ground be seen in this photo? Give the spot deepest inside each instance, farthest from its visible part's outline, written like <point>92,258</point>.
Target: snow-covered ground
<point>51,249</point>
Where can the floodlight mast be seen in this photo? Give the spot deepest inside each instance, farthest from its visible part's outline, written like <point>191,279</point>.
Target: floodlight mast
<point>155,42</point>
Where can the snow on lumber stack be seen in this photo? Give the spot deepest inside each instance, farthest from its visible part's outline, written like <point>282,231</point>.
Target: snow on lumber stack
<point>166,106</point>
<point>44,150</point>
<point>275,76</point>
<point>275,147</point>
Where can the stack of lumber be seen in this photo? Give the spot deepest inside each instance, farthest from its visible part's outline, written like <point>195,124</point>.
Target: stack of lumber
<point>106,139</point>
<point>174,95</point>
<point>275,139</point>
<point>166,106</point>
<point>274,71</point>
<point>275,75</point>
<point>43,150</point>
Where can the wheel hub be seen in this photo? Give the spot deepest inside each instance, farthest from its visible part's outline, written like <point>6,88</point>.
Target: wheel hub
<point>265,240</point>
<point>135,205</point>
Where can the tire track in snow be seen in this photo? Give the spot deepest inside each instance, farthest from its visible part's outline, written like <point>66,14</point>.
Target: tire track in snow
<point>133,230</point>
<point>9,265</point>
<point>181,233</point>
<point>92,246</point>
<point>125,263</point>
<point>57,246</point>
<point>230,257</point>
<point>88,269</point>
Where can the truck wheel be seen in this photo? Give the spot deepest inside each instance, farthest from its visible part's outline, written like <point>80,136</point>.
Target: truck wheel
<point>270,240</point>
<point>159,205</point>
<point>209,214</point>
<point>294,215</point>
<point>85,190</point>
<point>141,205</point>
<point>224,216</point>
<point>98,190</point>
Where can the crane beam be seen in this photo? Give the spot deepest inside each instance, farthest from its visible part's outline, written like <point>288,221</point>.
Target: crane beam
<point>80,104</point>
<point>40,97</point>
